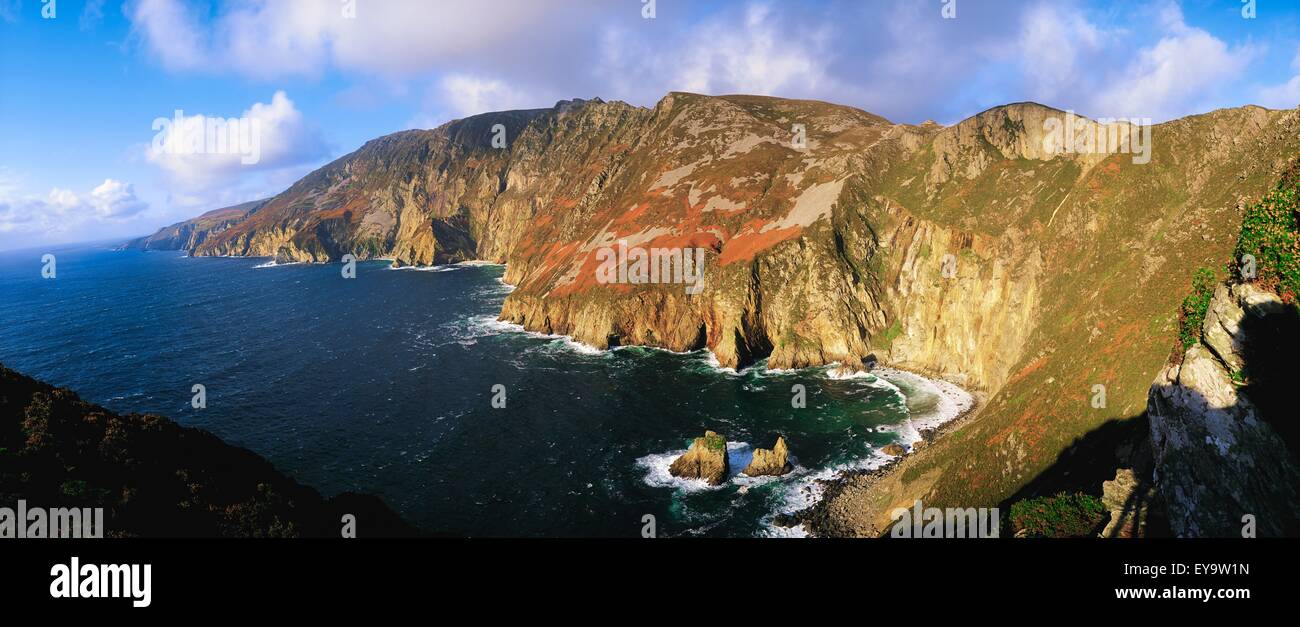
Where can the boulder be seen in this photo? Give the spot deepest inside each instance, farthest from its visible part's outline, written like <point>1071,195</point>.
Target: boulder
<point>770,462</point>
<point>894,449</point>
<point>706,459</point>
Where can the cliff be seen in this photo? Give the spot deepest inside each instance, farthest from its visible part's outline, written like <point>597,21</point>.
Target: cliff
<point>189,234</point>
<point>155,478</point>
<point>979,252</point>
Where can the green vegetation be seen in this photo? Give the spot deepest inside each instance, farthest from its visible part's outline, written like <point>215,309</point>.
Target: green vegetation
<point>75,488</point>
<point>1270,232</point>
<point>715,442</point>
<point>1195,305</point>
<point>889,335</point>
<point>1060,516</point>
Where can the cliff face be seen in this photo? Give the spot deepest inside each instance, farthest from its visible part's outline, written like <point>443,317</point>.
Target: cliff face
<point>976,251</point>
<point>188,235</point>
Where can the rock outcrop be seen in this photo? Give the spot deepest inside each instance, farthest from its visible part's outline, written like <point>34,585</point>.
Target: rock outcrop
<point>1218,460</point>
<point>772,462</point>
<point>896,450</point>
<point>1129,502</point>
<point>706,459</point>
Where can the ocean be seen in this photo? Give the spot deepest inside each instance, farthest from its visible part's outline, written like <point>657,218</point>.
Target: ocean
<point>384,384</point>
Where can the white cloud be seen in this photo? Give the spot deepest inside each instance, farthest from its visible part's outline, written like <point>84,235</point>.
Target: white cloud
<point>64,210</point>
<point>268,39</point>
<point>268,137</point>
<point>171,31</point>
<point>1070,61</point>
<point>757,54</point>
<point>1171,78</point>
<point>464,95</point>
<point>898,58</point>
<point>1286,95</point>
<point>1054,37</point>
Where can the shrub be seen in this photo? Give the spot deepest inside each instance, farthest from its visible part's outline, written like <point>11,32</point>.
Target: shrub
<point>1192,314</point>
<point>75,488</point>
<point>1270,231</point>
<point>1060,516</point>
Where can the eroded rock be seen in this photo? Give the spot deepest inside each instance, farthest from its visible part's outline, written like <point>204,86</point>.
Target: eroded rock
<point>706,459</point>
<point>772,462</point>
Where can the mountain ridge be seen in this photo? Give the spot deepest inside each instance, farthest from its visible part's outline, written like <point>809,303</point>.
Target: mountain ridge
<point>972,252</point>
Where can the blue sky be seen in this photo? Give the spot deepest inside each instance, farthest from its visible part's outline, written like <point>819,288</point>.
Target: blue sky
<point>79,92</point>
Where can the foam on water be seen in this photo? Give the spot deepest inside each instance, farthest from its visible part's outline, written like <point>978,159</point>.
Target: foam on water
<point>273,264</point>
<point>657,475</point>
<point>442,268</point>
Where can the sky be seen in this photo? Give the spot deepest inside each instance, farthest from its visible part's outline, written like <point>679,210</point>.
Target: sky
<point>89,89</point>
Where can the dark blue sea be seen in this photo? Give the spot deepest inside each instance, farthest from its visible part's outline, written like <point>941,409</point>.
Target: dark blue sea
<point>383,384</point>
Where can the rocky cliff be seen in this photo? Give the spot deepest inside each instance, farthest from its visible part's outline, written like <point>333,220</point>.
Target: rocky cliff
<point>1218,460</point>
<point>981,252</point>
<point>188,235</point>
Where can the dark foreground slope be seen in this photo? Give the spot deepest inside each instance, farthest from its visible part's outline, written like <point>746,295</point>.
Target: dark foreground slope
<point>155,478</point>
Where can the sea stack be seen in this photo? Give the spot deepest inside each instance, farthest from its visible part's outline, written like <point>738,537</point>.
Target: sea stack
<point>706,459</point>
<point>770,462</point>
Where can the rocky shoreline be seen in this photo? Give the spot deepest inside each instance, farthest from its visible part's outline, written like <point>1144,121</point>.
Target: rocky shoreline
<point>827,518</point>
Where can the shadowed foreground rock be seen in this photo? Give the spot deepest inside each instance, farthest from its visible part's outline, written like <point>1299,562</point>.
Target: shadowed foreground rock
<point>155,478</point>
<point>706,459</point>
<point>770,462</point>
<point>1217,457</point>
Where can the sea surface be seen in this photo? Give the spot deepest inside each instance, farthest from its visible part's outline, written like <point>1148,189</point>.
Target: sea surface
<point>383,384</point>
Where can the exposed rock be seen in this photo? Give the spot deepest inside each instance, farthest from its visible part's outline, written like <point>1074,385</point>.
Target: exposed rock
<point>706,459</point>
<point>894,449</point>
<point>770,462</point>
<point>1129,502</point>
<point>1217,459</point>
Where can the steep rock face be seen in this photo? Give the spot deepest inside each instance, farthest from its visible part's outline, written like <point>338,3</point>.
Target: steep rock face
<point>770,461</point>
<point>1217,459</point>
<point>706,459</point>
<point>975,251</point>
